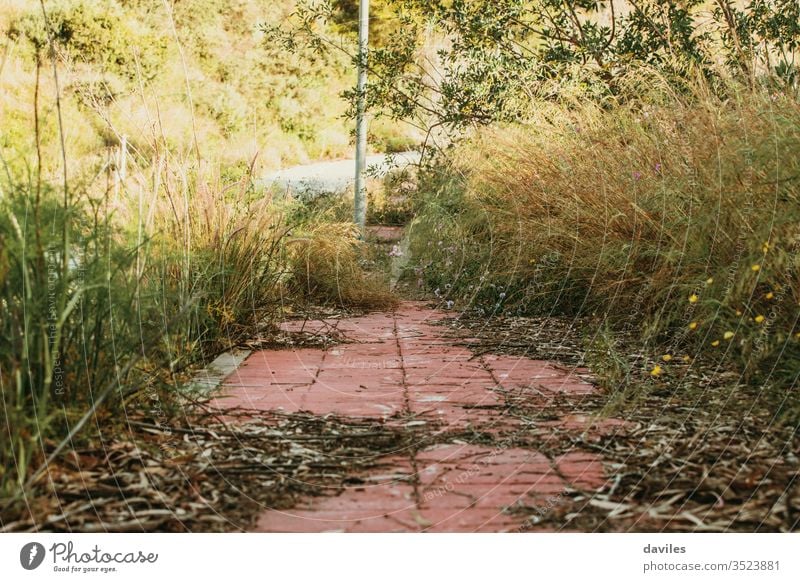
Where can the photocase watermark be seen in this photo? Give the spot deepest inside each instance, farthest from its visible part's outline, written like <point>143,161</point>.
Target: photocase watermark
<point>59,286</point>
<point>31,555</point>
<point>368,365</point>
<point>541,510</point>
<point>53,269</point>
<point>450,485</point>
<point>541,507</point>
<point>470,472</point>
<point>66,558</point>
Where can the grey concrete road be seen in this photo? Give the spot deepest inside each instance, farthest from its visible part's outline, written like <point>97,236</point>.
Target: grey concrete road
<point>339,175</point>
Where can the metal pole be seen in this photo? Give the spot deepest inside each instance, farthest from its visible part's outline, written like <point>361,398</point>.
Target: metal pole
<point>360,214</point>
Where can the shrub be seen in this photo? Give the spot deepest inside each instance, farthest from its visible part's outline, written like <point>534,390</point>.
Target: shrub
<point>89,33</point>
<point>673,216</point>
<point>68,338</point>
<point>219,253</point>
<point>325,268</point>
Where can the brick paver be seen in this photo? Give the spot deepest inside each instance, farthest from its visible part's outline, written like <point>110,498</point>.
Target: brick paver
<point>396,367</point>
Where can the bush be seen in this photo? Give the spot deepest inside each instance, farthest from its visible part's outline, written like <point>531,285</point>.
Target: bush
<point>390,201</point>
<point>218,257</point>
<point>68,333</point>
<point>93,34</point>
<point>106,306</point>
<point>673,216</point>
<point>325,268</point>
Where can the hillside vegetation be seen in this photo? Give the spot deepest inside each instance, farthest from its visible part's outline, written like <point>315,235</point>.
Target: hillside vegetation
<point>177,77</point>
<point>638,171</point>
<point>122,270</point>
<point>671,219</point>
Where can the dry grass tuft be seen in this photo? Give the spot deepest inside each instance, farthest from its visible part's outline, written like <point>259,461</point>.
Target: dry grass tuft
<point>325,267</point>
<point>673,215</point>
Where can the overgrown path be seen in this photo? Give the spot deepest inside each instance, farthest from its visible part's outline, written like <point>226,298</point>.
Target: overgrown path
<point>466,469</point>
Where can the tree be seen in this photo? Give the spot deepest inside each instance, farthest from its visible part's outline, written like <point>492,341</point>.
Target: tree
<point>456,63</point>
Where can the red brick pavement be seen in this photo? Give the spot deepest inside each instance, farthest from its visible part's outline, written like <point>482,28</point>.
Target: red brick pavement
<point>400,365</point>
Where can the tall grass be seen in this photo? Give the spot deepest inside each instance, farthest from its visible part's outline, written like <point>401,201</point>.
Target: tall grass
<point>673,216</point>
<point>107,304</point>
<point>326,267</point>
<point>213,246</point>
<point>110,294</point>
<point>67,298</point>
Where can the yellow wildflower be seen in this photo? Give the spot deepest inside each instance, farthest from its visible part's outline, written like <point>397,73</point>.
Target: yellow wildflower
<point>687,358</point>
<point>755,268</point>
<point>728,335</point>
<point>666,357</point>
<point>769,295</point>
<point>709,280</point>
<point>738,313</point>
<point>759,319</point>
<point>656,371</point>
<point>693,325</point>
<point>693,298</point>
<point>715,343</point>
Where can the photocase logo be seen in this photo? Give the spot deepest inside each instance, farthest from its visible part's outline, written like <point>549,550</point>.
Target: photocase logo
<point>31,555</point>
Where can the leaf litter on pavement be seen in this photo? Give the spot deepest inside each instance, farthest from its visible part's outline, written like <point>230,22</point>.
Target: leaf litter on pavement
<point>694,453</point>
<point>674,462</point>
